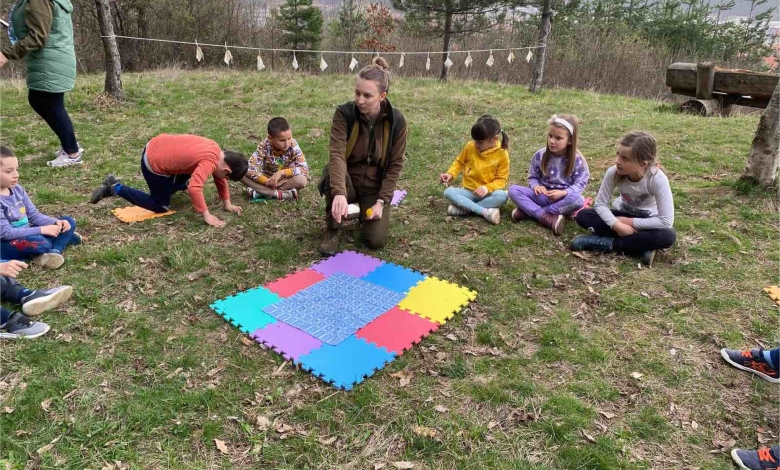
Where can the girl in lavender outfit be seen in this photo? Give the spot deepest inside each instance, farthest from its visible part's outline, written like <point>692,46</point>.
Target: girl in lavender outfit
<point>556,179</point>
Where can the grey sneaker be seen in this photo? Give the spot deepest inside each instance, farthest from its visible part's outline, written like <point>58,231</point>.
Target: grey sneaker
<point>761,459</point>
<point>20,326</point>
<point>49,260</point>
<point>492,215</point>
<point>64,160</point>
<point>42,300</point>
<point>456,211</point>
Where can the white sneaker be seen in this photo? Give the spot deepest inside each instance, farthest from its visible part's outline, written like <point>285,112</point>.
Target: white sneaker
<point>492,215</point>
<point>64,160</point>
<point>456,211</point>
<point>49,260</point>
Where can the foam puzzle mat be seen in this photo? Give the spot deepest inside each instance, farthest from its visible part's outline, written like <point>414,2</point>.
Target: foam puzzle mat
<point>133,214</point>
<point>345,317</point>
<point>398,197</point>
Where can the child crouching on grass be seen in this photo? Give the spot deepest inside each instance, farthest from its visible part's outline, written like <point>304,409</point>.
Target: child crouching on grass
<point>485,166</point>
<point>278,168</point>
<point>24,232</point>
<point>640,221</point>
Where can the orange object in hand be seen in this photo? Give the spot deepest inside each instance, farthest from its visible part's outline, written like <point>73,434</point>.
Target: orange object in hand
<point>369,213</point>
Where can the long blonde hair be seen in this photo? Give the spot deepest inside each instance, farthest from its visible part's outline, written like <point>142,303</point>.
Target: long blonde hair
<point>378,72</point>
<point>574,137</point>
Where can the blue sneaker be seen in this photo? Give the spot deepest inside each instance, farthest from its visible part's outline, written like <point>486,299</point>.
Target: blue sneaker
<point>592,243</point>
<point>761,459</point>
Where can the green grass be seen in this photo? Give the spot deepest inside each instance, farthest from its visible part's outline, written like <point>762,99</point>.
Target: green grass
<point>138,369</point>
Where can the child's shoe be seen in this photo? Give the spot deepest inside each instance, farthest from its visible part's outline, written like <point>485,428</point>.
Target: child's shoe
<point>554,222</point>
<point>492,215</point>
<point>77,239</point>
<point>20,326</point>
<point>751,360</point>
<point>456,211</point>
<point>52,260</point>
<point>42,300</point>
<point>761,459</point>
<point>518,215</point>
<point>647,257</point>
<point>592,243</point>
<point>105,190</point>
<point>63,159</point>
<point>282,195</point>
<point>330,242</point>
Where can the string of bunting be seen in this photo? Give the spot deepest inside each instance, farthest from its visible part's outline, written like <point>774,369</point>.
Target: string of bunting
<point>353,63</point>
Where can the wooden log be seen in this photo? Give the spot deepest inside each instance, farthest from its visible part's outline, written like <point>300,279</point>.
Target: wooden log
<point>702,107</point>
<point>705,79</point>
<point>682,76</point>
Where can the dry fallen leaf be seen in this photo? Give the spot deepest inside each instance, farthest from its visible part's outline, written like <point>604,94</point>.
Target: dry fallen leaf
<point>45,404</point>
<point>8,410</point>
<point>48,446</point>
<point>403,377</point>
<point>694,425</point>
<point>328,441</point>
<point>441,408</point>
<point>424,431</point>
<point>588,436</point>
<point>403,465</point>
<point>221,446</point>
<point>263,423</point>
<point>246,341</point>
<point>607,415</point>
<point>636,375</point>
<point>379,466</point>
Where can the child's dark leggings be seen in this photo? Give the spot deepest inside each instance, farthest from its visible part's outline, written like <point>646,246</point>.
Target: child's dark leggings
<point>10,291</point>
<point>51,107</point>
<point>632,245</point>
<point>160,187</point>
<point>31,246</point>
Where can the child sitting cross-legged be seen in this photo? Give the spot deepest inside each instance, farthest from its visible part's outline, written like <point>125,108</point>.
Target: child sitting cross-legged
<point>278,168</point>
<point>484,162</point>
<point>24,232</point>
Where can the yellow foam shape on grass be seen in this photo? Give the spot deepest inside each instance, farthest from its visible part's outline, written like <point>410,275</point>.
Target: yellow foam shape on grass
<point>133,214</point>
<point>774,293</point>
<point>437,300</point>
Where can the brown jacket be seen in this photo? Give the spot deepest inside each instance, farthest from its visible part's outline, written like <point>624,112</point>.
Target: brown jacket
<point>366,165</point>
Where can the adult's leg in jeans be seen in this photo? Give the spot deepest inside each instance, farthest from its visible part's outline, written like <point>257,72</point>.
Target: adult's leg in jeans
<point>527,201</point>
<point>161,188</point>
<point>51,107</point>
<point>11,290</point>
<point>495,199</point>
<point>567,205</point>
<point>61,241</point>
<point>26,247</point>
<point>374,232</point>
<point>351,198</point>
<point>464,199</point>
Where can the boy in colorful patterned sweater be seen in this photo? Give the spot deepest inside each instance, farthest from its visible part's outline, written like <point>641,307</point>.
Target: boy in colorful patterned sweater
<point>277,169</point>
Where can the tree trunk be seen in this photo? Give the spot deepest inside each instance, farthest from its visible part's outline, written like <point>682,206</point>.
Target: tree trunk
<point>113,85</point>
<point>446,46</point>
<point>764,161</point>
<point>544,31</point>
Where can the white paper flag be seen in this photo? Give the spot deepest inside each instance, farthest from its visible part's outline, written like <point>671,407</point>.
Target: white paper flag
<point>198,53</point>
<point>448,62</point>
<point>260,64</point>
<point>510,57</point>
<point>352,64</point>
<point>228,57</point>
<point>428,62</point>
<point>528,57</point>
<point>490,60</point>
<point>295,62</point>
<point>323,64</point>
<point>401,61</point>
<point>469,60</point>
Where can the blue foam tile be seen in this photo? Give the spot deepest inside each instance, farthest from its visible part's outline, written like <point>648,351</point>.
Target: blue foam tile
<point>394,277</point>
<point>245,309</point>
<point>334,308</point>
<point>348,363</point>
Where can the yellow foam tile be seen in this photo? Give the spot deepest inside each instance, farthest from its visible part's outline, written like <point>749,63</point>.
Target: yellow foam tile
<point>436,300</point>
<point>132,214</point>
<point>774,293</point>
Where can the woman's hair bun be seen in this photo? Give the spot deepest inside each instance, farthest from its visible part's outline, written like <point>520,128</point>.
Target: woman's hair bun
<point>379,62</point>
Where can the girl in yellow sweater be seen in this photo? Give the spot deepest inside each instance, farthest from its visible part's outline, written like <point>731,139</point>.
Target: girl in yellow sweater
<point>485,166</point>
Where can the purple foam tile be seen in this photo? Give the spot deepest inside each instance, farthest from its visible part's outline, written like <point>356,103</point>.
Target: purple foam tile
<point>288,341</point>
<point>348,262</point>
<point>398,196</point>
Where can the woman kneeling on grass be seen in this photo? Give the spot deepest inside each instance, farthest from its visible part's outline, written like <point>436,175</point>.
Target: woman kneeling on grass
<point>367,145</point>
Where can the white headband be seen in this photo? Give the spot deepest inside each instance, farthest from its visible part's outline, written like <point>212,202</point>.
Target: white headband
<point>556,120</point>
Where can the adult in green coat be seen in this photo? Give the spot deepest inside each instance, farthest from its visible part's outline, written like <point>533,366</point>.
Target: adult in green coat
<point>41,32</point>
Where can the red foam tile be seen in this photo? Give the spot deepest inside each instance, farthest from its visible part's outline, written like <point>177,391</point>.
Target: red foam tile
<point>297,281</point>
<point>397,330</point>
